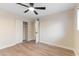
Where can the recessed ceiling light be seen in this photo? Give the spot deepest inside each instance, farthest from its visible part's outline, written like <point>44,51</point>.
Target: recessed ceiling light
<point>31,8</point>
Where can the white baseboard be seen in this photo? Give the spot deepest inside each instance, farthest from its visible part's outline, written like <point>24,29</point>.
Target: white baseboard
<point>9,45</point>
<point>76,52</point>
<point>57,45</point>
<point>30,39</point>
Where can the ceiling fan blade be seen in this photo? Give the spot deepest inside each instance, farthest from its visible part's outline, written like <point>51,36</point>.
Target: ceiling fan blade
<point>31,4</point>
<point>26,10</point>
<point>22,4</point>
<point>35,12</point>
<point>42,8</point>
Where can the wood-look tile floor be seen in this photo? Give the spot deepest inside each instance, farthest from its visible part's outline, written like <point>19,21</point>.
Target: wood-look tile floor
<point>32,49</point>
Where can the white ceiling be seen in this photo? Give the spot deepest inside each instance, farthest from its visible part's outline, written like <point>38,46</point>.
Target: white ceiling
<point>51,8</point>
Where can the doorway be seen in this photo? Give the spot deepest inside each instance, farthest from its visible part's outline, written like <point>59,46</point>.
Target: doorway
<point>25,31</point>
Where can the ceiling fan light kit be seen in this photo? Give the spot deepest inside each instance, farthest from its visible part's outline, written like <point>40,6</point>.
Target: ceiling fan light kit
<point>31,8</point>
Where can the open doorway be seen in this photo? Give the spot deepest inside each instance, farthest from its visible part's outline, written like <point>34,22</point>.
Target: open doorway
<point>25,31</point>
<point>31,31</point>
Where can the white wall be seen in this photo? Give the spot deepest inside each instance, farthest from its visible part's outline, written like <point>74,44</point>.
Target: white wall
<point>11,29</point>
<point>58,29</point>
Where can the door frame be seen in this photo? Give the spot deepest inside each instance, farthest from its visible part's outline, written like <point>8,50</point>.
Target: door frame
<point>37,31</point>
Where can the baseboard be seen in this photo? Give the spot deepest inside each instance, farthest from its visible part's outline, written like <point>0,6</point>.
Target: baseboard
<point>9,45</point>
<point>30,39</point>
<point>76,51</point>
<point>57,45</point>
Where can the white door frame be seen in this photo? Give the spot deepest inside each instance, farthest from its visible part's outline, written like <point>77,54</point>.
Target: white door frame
<point>37,27</point>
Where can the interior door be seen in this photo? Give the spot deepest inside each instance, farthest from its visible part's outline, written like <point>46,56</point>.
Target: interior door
<point>37,31</point>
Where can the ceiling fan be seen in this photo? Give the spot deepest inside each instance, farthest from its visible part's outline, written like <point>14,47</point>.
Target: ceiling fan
<point>31,8</point>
